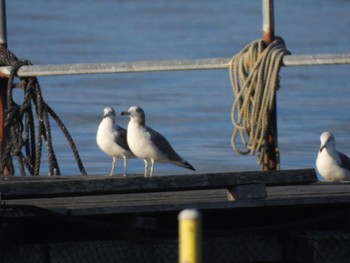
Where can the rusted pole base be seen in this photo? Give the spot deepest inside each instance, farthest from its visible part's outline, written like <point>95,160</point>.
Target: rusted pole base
<point>271,163</point>
<point>272,157</point>
<point>4,134</point>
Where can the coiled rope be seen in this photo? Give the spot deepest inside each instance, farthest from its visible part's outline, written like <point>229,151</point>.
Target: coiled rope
<point>254,79</point>
<point>19,121</point>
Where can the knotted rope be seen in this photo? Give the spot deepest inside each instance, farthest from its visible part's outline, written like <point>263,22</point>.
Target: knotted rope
<point>19,122</point>
<point>254,79</point>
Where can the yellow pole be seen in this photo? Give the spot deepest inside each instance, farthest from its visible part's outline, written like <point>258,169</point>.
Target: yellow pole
<point>190,236</point>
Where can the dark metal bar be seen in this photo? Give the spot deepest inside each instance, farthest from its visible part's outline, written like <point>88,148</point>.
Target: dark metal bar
<point>3,27</point>
<point>4,133</point>
<point>271,161</point>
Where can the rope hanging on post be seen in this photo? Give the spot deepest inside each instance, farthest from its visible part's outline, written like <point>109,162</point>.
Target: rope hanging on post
<point>254,79</point>
<point>19,119</point>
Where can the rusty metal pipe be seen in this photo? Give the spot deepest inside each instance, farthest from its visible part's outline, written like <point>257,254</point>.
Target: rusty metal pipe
<point>271,162</point>
<point>3,27</point>
<point>268,21</point>
<point>4,134</point>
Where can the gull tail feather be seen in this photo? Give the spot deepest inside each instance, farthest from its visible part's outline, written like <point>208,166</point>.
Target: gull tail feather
<point>184,164</point>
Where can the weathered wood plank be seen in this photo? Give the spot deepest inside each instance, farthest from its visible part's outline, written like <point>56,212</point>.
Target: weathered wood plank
<point>246,191</point>
<point>41,187</point>
<point>299,195</point>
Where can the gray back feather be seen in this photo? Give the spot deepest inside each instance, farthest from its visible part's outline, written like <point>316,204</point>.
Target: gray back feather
<point>163,145</point>
<point>345,161</point>
<point>120,138</point>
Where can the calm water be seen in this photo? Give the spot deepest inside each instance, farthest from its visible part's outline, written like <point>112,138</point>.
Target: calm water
<point>191,108</point>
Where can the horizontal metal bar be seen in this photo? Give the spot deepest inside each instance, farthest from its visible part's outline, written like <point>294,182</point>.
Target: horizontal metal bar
<point>165,65</point>
<point>316,60</point>
<point>119,67</point>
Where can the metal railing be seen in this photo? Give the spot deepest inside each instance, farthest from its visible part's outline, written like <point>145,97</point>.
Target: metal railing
<point>165,65</point>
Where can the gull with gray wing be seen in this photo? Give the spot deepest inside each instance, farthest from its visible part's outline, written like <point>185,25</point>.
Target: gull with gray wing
<point>149,145</point>
<point>111,138</point>
<point>331,164</point>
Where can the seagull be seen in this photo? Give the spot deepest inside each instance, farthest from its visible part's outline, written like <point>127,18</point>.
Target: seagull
<point>149,145</point>
<point>111,138</point>
<point>331,164</point>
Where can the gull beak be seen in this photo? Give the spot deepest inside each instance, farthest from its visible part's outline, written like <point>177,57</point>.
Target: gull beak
<point>124,113</point>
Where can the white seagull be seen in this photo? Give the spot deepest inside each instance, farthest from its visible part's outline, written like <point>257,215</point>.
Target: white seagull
<point>149,145</point>
<point>111,138</point>
<point>331,164</point>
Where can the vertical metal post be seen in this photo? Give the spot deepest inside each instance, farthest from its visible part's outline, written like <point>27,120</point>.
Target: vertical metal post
<point>272,160</point>
<point>3,85</point>
<point>190,236</point>
<point>3,27</point>
<point>268,21</point>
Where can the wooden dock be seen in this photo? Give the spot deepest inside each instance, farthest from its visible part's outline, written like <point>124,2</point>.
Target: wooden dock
<point>288,216</point>
<point>96,195</point>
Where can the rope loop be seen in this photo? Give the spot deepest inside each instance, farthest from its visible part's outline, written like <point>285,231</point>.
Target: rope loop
<point>254,79</point>
<point>20,124</point>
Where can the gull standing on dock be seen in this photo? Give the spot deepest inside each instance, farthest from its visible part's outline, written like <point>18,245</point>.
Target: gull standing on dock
<point>111,138</point>
<point>149,145</point>
<point>331,164</point>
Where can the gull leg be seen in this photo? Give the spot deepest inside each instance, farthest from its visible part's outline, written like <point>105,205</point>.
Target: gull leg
<point>124,166</point>
<point>152,168</point>
<point>113,164</point>
<point>146,167</point>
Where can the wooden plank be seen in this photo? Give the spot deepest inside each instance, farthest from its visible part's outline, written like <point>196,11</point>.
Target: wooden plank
<point>246,191</point>
<point>41,187</point>
<point>216,199</point>
<point>289,193</point>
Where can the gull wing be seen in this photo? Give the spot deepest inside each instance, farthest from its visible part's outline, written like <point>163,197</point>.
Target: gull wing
<point>163,145</point>
<point>120,138</point>
<point>344,161</point>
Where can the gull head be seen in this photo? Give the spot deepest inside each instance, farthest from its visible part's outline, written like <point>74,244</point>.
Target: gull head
<point>108,112</point>
<point>327,140</point>
<point>136,114</point>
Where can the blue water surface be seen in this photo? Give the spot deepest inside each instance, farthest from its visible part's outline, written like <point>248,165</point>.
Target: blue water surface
<point>191,108</point>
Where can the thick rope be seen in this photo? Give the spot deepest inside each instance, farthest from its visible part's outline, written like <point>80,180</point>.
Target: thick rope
<point>19,120</point>
<point>254,79</point>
